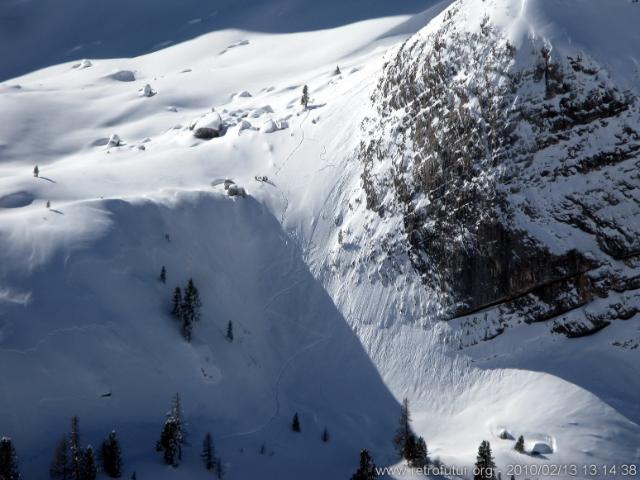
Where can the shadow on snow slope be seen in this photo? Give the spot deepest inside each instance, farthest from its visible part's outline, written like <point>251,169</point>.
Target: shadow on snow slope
<point>96,322</point>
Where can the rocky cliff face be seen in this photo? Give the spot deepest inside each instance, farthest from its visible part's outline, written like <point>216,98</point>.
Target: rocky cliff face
<point>513,166</point>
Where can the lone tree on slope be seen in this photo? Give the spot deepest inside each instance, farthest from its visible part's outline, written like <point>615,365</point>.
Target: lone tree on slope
<point>485,467</point>
<point>230,331</point>
<point>208,453</point>
<point>163,275</point>
<point>36,171</point>
<point>8,460</point>
<point>367,469</point>
<point>519,446</point>
<point>295,424</point>
<point>325,435</point>
<point>304,101</point>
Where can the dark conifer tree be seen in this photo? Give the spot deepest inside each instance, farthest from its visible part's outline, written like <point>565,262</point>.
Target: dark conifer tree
<point>36,171</point>
<point>8,460</point>
<point>337,70</point>
<point>325,435</point>
<point>263,449</point>
<point>175,414</point>
<point>419,456</point>
<point>163,275</point>
<point>519,446</point>
<point>60,466</point>
<point>111,456</point>
<point>208,453</point>
<point>230,331</point>
<point>176,310</point>
<point>485,468</point>
<point>404,439</point>
<point>220,468</point>
<point>295,424</point>
<point>75,450</point>
<point>304,101</point>
<point>367,469</point>
<point>89,470</point>
<point>193,299</point>
<point>168,442</point>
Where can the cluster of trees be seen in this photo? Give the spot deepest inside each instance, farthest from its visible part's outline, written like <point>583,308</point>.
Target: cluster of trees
<point>186,307</point>
<point>173,437</point>
<point>408,445</point>
<point>295,426</point>
<point>73,462</point>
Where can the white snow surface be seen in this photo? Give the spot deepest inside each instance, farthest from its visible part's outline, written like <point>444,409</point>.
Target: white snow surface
<point>318,332</point>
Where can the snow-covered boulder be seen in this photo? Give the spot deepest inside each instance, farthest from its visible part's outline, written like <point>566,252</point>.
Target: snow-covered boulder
<point>123,76</point>
<point>208,126</point>
<point>210,120</point>
<point>114,141</point>
<point>236,191</point>
<point>505,434</point>
<point>261,111</point>
<point>282,123</point>
<point>539,447</point>
<point>83,64</point>
<point>243,94</point>
<point>269,126</point>
<point>146,91</point>
<point>244,125</point>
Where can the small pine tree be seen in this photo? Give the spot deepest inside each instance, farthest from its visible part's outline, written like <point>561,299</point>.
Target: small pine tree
<point>36,171</point>
<point>220,468</point>
<point>111,456</point>
<point>60,466</point>
<point>168,443</point>
<point>485,467</point>
<point>367,469</point>
<point>176,310</point>
<point>404,439</point>
<point>88,469</point>
<point>304,101</point>
<point>175,413</point>
<point>192,299</point>
<point>8,460</point>
<point>48,204</point>
<point>337,70</point>
<point>295,424</point>
<point>230,331</point>
<point>263,449</point>
<point>75,450</point>
<point>163,275</point>
<point>519,446</point>
<point>325,435</point>
<point>208,453</point>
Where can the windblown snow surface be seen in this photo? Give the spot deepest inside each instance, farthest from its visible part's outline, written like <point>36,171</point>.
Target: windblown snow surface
<point>321,327</point>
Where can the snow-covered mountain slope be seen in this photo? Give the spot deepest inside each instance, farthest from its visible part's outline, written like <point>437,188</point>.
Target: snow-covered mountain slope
<point>120,28</point>
<point>307,254</point>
